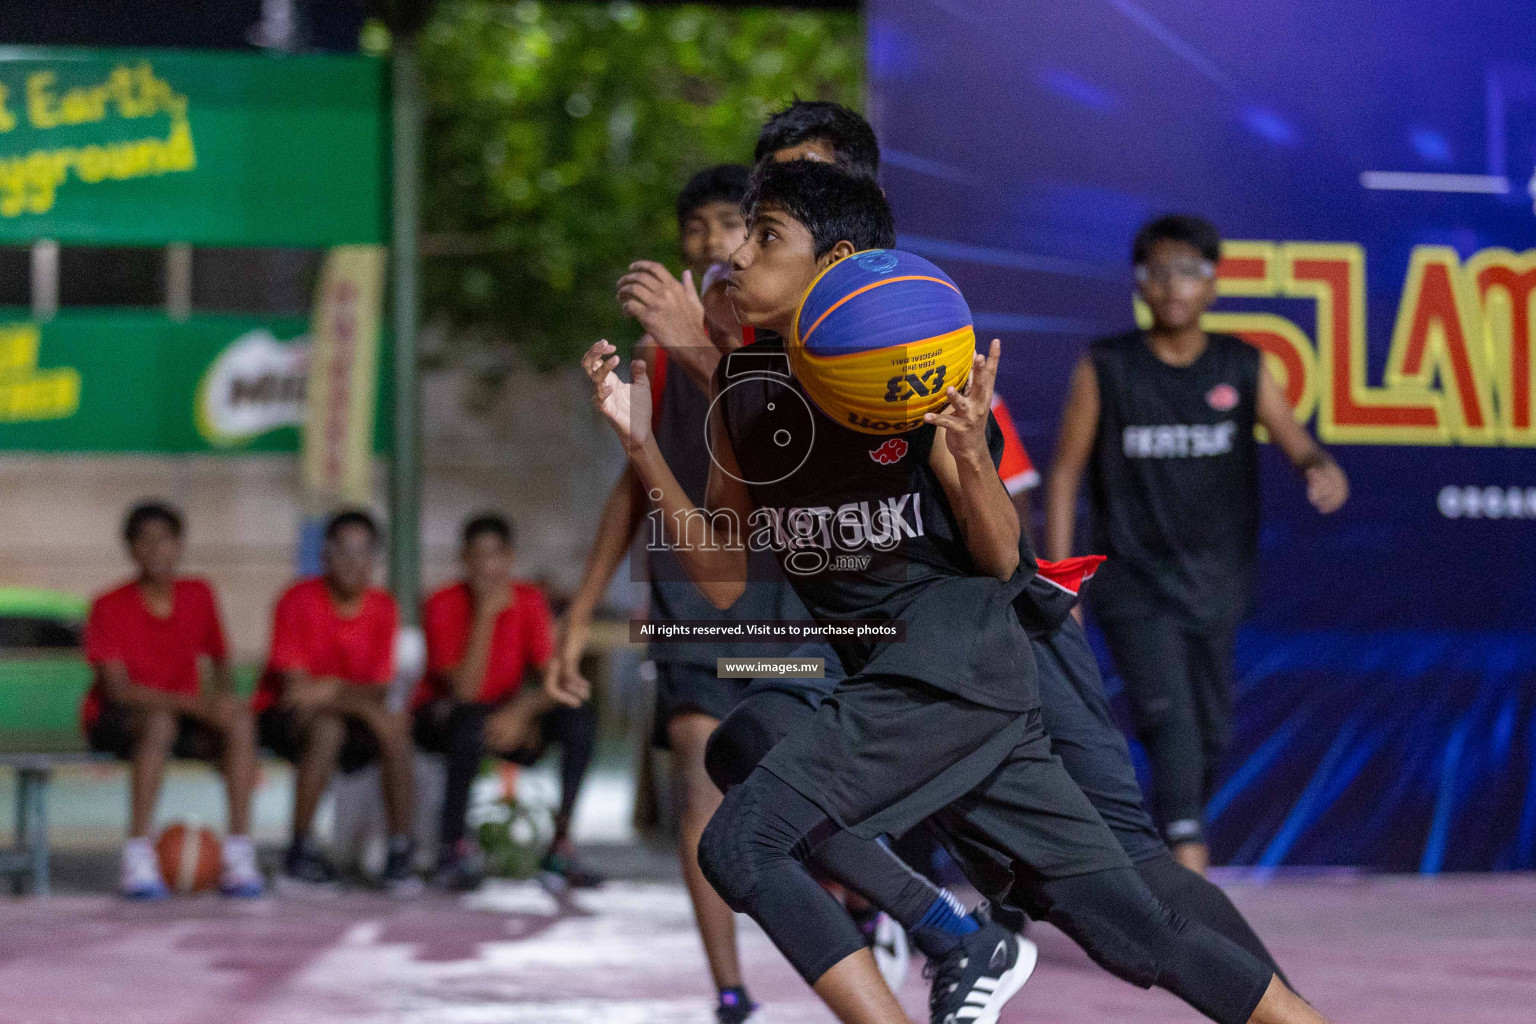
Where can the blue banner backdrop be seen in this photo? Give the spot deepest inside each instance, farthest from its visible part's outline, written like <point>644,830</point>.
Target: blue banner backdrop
<point>1373,165</point>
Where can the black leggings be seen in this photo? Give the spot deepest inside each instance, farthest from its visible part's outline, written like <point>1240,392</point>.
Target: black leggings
<point>880,876</point>
<point>755,851</point>
<point>1178,680</point>
<point>458,733</point>
<point>866,866</point>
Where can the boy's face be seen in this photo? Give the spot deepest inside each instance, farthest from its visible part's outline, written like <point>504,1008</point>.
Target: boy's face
<point>156,549</point>
<point>812,149</point>
<point>349,558</point>
<point>1178,284</point>
<point>773,268</point>
<point>487,559</point>
<point>710,233</point>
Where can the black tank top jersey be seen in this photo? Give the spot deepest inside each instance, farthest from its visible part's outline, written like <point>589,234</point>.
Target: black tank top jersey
<point>1173,479</point>
<point>679,429</point>
<point>862,528</point>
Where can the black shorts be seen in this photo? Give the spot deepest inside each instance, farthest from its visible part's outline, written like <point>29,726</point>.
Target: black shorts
<point>429,728</point>
<point>279,731</point>
<point>113,733</point>
<point>682,689</point>
<point>884,753</point>
<point>753,728</point>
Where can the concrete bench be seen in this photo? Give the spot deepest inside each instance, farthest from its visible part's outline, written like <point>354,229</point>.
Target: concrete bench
<point>27,862</point>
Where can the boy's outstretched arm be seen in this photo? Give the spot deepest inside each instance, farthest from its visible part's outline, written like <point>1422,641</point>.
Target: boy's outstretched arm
<point>621,514</point>
<point>1327,486</point>
<point>712,549</point>
<point>988,520</point>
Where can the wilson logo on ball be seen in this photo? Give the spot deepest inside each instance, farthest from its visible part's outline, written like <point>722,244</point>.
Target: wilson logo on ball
<point>890,452</point>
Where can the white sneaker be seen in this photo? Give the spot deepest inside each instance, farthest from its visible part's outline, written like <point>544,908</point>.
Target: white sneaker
<point>141,872</point>
<point>240,877</point>
<point>892,957</point>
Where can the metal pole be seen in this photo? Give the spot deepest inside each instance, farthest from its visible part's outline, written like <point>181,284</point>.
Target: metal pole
<point>405,475</point>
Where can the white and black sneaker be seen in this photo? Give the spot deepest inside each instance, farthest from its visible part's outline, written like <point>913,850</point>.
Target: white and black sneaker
<point>888,941</point>
<point>973,982</point>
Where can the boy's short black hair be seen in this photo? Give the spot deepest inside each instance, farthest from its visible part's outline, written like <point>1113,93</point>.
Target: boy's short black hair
<point>351,517</point>
<point>1177,227</point>
<point>493,523</point>
<point>853,141</point>
<point>833,206</point>
<point>723,183</point>
<point>146,512</point>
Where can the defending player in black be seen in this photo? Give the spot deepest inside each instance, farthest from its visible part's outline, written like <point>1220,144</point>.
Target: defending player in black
<point>1163,423</point>
<point>984,757</point>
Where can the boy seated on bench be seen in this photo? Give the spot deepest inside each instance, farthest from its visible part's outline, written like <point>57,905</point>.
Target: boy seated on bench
<point>486,635</point>
<point>324,699</point>
<point>145,641</point>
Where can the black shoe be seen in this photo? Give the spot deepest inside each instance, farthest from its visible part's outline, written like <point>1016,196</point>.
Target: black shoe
<point>460,869</point>
<point>561,870</point>
<point>305,869</point>
<point>400,870</point>
<point>973,982</point>
<point>735,1006</point>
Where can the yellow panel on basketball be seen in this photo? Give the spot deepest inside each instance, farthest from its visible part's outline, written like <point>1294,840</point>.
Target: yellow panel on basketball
<point>877,339</point>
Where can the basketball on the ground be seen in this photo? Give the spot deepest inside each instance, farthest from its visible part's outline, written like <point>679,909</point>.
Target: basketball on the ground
<point>189,857</point>
<point>877,339</point>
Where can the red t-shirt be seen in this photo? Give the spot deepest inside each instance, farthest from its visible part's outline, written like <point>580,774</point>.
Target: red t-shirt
<point>310,635</point>
<point>160,654</point>
<point>1016,469</point>
<point>523,639</point>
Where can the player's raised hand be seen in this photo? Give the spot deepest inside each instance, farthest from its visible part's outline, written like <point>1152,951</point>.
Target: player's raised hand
<point>626,406</point>
<point>964,419</point>
<point>670,310</point>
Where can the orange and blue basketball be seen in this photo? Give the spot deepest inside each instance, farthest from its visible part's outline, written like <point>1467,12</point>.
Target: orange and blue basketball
<point>877,339</point>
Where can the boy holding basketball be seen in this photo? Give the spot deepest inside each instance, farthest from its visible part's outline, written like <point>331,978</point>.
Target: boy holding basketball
<point>147,642</point>
<point>914,731</point>
<point>1074,708</point>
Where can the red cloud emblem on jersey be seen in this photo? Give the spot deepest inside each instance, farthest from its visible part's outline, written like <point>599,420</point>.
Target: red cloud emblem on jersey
<point>1222,397</point>
<point>890,452</point>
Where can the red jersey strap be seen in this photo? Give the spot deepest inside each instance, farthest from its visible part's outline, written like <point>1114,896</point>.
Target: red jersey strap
<point>1016,469</point>
<point>657,365</point>
<point>1070,573</point>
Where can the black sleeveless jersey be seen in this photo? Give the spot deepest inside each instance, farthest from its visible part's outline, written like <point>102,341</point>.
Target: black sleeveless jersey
<point>862,528</point>
<point>682,411</point>
<point>1173,479</point>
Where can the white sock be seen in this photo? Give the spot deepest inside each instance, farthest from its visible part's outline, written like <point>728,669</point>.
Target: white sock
<point>237,849</point>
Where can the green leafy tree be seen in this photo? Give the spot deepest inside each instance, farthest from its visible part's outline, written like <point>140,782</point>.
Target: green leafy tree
<point>558,135</point>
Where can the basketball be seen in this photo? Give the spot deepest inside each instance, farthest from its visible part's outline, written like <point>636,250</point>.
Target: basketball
<point>877,339</point>
<point>189,857</point>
